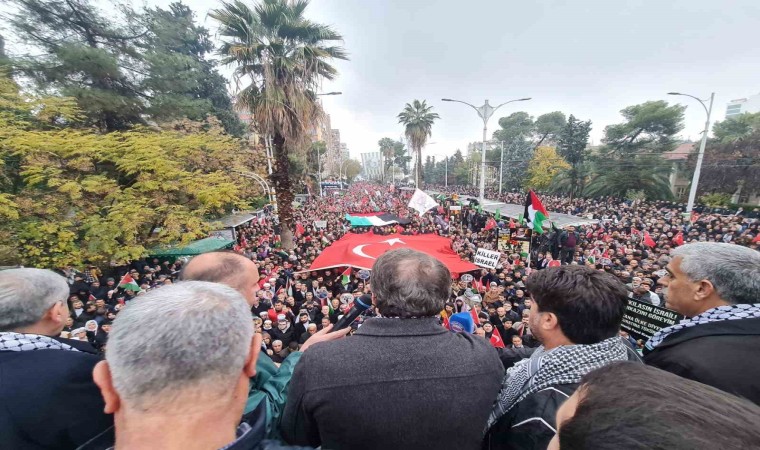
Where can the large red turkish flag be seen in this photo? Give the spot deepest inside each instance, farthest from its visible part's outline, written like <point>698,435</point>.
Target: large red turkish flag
<point>361,251</point>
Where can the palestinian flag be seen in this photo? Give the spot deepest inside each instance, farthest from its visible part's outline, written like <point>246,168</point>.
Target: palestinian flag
<point>345,277</point>
<point>373,220</point>
<point>129,284</point>
<point>535,213</point>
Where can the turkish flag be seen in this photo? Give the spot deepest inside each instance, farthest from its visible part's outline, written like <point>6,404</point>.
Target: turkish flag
<point>496,339</point>
<point>490,224</point>
<point>555,263</point>
<point>648,241</point>
<point>475,318</point>
<point>678,239</point>
<point>361,251</point>
<point>299,229</point>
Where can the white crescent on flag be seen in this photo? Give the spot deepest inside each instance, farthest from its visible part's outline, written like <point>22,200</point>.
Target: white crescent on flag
<point>358,250</point>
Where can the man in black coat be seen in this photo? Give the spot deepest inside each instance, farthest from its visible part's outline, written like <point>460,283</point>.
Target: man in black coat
<point>48,398</point>
<point>402,381</point>
<point>717,287</point>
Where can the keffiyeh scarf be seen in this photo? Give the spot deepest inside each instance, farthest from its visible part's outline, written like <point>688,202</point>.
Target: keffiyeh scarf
<point>22,342</point>
<point>719,314</point>
<point>561,365</point>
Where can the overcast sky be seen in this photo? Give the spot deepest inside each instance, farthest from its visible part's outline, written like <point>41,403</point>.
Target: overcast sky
<point>589,58</point>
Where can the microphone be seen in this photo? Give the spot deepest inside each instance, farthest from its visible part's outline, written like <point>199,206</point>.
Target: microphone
<point>361,304</point>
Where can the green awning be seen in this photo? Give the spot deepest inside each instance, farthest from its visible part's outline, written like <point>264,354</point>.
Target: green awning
<point>206,245</point>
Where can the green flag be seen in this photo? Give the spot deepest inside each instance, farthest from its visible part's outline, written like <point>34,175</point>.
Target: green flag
<point>478,209</point>
<point>497,216</point>
<point>521,219</point>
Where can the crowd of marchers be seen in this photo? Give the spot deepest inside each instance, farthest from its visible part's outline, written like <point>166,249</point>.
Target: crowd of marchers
<point>111,352</point>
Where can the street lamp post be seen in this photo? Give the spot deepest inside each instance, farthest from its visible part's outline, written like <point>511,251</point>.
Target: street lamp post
<point>501,166</point>
<point>698,169</point>
<point>319,171</point>
<point>485,112</point>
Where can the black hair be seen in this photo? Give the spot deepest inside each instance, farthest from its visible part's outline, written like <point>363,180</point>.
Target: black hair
<point>589,304</point>
<point>628,405</point>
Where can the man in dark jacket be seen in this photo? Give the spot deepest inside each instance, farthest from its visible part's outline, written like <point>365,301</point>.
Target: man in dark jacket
<point>568,240</point>
<point>47,394</point>
<point>576,315</point>
<point>402,381</point>
<point>717,287</point>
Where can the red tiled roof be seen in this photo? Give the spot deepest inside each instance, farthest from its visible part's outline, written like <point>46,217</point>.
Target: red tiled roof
<point>681,152</point>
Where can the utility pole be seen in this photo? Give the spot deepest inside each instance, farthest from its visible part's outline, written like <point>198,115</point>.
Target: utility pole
<point>700,157</point>
<point>485,112</point>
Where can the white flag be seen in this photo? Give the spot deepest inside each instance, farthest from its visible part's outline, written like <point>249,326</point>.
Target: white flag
<point>422,202</point>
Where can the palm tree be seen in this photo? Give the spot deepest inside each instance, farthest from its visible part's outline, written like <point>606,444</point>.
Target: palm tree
<point>646,173</point>
<point>281,56</point>
<point>418,120</point>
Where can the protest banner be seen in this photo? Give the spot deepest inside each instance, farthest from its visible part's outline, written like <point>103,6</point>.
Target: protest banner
<point>487,258</point>
<point>320,224</point>
<point>455,209</point>
<point>643,320</point>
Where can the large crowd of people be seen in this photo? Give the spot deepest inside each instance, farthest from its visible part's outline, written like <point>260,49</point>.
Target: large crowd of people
<point>543,323</point>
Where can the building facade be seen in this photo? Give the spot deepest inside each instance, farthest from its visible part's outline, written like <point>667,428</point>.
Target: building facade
<point>743,105</point>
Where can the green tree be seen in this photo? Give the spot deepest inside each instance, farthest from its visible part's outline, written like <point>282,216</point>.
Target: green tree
<point>516,127</point>
<point>649,127</point>
<point>285,56</point>
<point>124,67</point>
<point>400,156</point>
<point>353,169</point>
<point>736,127</point>
<point>631,157</point>
<point>646,173</point>
<point>76,195</point>
<point>180,80</point>
<point>730,166</point>
<point>417,118</point>
<point>572,145</point>
<point>548,127</point>
<point>80,53</point>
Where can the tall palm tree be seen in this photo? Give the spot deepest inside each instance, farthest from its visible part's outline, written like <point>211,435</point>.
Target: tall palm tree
<point>418,120</point>
<point>280,57</point>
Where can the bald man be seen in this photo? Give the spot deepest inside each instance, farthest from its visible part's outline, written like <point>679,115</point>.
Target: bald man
<point>268,389</point>
<point>232,269</point>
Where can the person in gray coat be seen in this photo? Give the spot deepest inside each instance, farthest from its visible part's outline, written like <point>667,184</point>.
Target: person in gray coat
<point>390,384</point>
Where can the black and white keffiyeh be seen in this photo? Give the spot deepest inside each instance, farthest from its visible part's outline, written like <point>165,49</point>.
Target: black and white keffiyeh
<point>561,365</point>
<point>718,314</point>
<point>23,342</point>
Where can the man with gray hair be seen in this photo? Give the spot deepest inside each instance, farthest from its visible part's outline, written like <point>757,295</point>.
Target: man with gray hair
<point>268,389</point>
<point>177,368</point>
<point>402,380</point>
<point>46,391</point>
<point>717,287</point>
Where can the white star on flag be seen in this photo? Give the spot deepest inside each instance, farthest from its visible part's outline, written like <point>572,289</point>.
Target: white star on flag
<point>393,241</point>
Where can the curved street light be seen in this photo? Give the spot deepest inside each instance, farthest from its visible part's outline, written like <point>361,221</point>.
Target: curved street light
<point>485,112</point>
<point>700,157</point>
